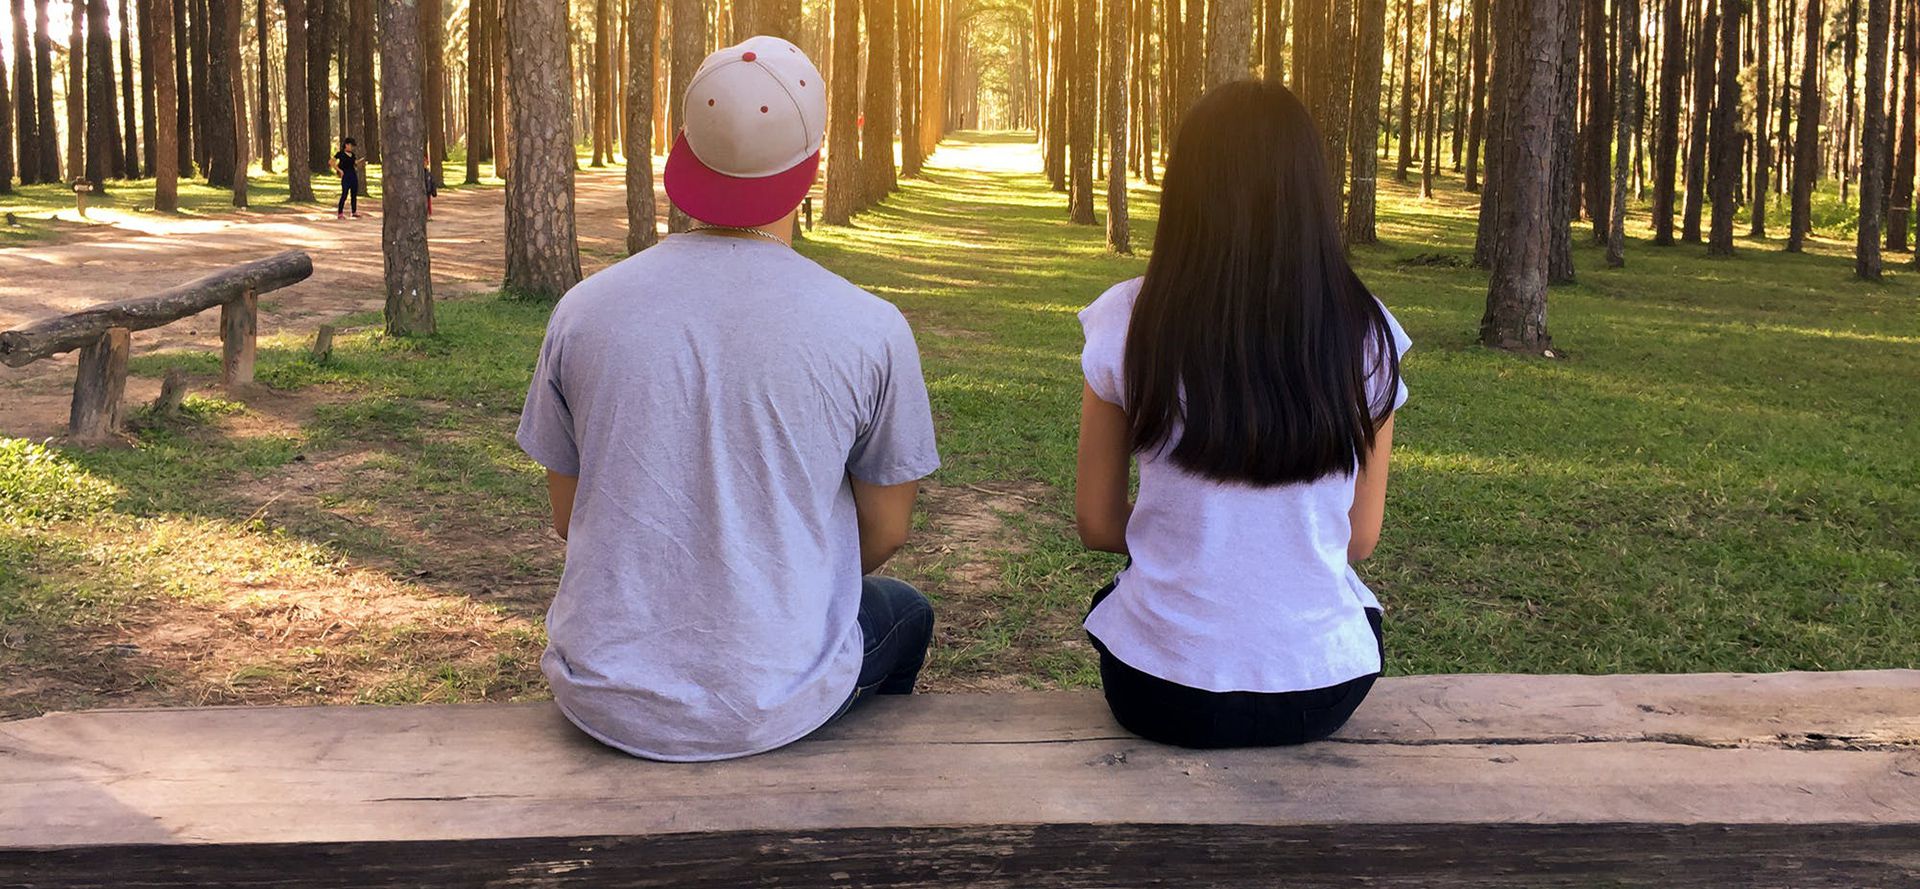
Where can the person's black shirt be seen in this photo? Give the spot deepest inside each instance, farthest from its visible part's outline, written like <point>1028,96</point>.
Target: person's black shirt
<point>349,167</point>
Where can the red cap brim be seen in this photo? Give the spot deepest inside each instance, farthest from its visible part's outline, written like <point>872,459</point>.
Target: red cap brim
<point>716,198</point>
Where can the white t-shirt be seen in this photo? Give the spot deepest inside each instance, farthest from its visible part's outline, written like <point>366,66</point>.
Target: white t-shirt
<point>1233,587</point>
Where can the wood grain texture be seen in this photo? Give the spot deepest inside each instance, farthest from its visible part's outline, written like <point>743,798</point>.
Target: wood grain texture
<point>65,333</point>
<point>239,328</point>
<point>98,384</point>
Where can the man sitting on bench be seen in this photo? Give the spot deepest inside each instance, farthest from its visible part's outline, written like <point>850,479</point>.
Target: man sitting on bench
<point>733,437</point>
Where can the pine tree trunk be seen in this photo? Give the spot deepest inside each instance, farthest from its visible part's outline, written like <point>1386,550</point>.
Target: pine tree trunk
<point>1229,36</point>
<point>237,94</point>
<point>148,110</point>
<point>1627,120</point>
<point>643,35</point>
<point>1762,112</point>
<point>1477,96</point>
<point>602,75</point>
<point>1597,138</point>
<point>1114,60</point>
<point>842,197</point>
<point>1193,69</point>
<point>543,252</point>
<point>199,32</point>
<point>1058,113</point>
<point>1516,315</point>
<point>321,18</point>
<point>1083,68</point>
<point>43,95</point>
<point>1503,43</point>
<point>263,112</point>
<point>433,74</point>
<point>1806,139</point>
<point>299,152</point>
<point>403,210</point>
<point>1706,48</point>
<point>1338,114</point>
<point>104,160</point>
<point>129,102</point>
<point>1430,77</point>
<point>1274,47</point>
<point>1666,145</point>
<point>26,109</point>
<point>480,101</point>
<point>1873,144</point>
<point>1406,92</point>
<point>363,110</point>
<point>166,93</point>
<point>6,130</point>
<point>77,92</point>
<point>879,176</point>
<point>1848,145</point>
<point>1725,175</point>
<point>908,13</point>
<point>499,115</point>
<point>1899,210</point>
<point>217,121</point>
<point>1362,194</point>
<point>689,47</point>
<point>1564,205</point>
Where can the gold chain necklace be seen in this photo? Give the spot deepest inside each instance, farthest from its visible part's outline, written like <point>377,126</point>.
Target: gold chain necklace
<point>731,228</point>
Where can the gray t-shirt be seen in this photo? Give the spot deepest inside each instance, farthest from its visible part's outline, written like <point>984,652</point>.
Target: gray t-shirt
<point>714,395</point>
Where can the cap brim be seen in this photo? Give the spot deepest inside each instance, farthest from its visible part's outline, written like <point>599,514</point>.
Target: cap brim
<point>716,198</point>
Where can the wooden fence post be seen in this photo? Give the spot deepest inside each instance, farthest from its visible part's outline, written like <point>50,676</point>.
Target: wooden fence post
<point>97,388</point>
<point>239,322</point>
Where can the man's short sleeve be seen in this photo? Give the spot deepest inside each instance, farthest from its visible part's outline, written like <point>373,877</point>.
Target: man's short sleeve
<point>546,423</point>
<point>895,444</point>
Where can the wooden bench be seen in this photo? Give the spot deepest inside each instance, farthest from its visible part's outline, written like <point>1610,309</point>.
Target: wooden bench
<point>101,332</point>
<point>1801,780</point>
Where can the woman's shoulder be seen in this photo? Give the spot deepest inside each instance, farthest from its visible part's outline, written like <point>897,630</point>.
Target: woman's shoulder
<point>1111,309</point>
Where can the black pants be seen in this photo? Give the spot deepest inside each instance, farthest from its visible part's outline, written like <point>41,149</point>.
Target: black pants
<point>1170,713</point>
<point>349,191</point>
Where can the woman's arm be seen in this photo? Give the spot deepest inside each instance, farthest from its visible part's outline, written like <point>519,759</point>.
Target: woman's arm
<point>1100,505</point>
<point>1370,496</point>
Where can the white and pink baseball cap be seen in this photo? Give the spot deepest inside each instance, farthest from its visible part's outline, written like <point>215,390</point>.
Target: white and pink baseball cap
<point>750,133</point>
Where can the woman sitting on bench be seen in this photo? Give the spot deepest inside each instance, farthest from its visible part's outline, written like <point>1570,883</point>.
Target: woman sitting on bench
<point>1254,378</point>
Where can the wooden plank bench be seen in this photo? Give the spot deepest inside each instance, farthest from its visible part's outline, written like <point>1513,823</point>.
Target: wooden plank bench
<point>101,332</point>
<point>1799,779</point>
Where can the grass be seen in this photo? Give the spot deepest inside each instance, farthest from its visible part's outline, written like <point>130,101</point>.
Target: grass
<point>1717,476</point>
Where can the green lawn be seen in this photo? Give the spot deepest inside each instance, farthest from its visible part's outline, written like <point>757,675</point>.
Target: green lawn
<point>1718,475</point>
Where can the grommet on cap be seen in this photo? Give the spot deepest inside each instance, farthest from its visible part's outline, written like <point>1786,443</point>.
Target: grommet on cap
<point>748,57</point>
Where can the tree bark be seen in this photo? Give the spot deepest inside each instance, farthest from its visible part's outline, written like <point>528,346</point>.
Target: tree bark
<point>1873,144</point>
<point>362,105</point>
<point>321,17</point>
<point>76,95</point>
<point>236,89</point>
<point>479,99</point>
<point>1477,96</point>
<point>6,131</point>
<point>689,47</point>
<point>1229,37</point>
<point>842,197</point>
<point>1082,67</point>
<point>1362,194</point>
<point>299,152</point>
<point>1627,120</point>
<point>908,12</point>
<point>1762,112</point>
<point>1406,92</point>
<point>1703,66</point>
<point>1564,205</point>
<point>217,127</point>
<point>147,107</point>
<point>543,250</point>
<point>1503,22</point>
<point>1666,146</point>
<point>1848,147</point>
<point>166,148</point>
<point>1429,87</point>
<point>1900,205</point>
<point>643,35</point>
<point>1806,139</point>
<point>602,71</point>
<point>129,152</point>
<point>879,177</point>
<point>1725,174</point>
<point>1338,94</point>
<point>1597,138</point>
<point>1058,113</point>
<point>1516,314</point>
<point>1274,47</point>
<point>263,112</point>
<point>43,95</point>
<point>433,76</point>
<point>403,210</point>
<point>26,109</point>
<point>499,115</point>
<point>104,159</point>
<point>1114,60</point>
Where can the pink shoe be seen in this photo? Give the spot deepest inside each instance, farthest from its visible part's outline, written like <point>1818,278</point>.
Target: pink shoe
<point>339,215</point>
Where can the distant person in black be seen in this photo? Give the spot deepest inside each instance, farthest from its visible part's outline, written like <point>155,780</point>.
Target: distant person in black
<point>347,167</point>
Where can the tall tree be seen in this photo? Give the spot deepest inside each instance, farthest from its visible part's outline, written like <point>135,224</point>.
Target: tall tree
<point>105,158</point>
<point>1762,112</point>
<point>6,131</point>
<point>1229,37</point>
<point>1487,244</point>
<point>1274,47</point>
<point>1597,138</point>
<point>403,217</point>
<point>196,77</point>
<point>1193,68</point>
<point>220,128</point>
<point>1873,144</point>
<point>1114,60</point>
<point>1337,97</point>
<point>1627,120</point>
<point>1899,210</point>
<point>689,46</point>
<point>43,94</point>
<point>129,102</point>
<point>77,91</point>
<point>1365,162</point>
<point>166,123</point>
<point>1564,205</point>
<point>1405,129</point>
<point>1725,174</point>
<point>1850,40</point>
<point>1082,68</point>
<point>1429,90</point>
<point>433,73</point>
<point>1058,46</point>
<point>263,109</point>
<point>1806,140</point>
<point>643,36</point>
<point>1704,55</point>
<point>148,109</point>
<point>879,176</point>
<point>26,113</point>
<point>237,89</point>
<point>1477,96</point>
<point>363,110</point>
<point>602,77</point>
<point>907,12</point>
<point>1516,315</point>
<point>479,101</point>
<point>543,250</point>
<point>321,18</point>
<point>843,115</point>
<point>1666,144</point>
<point>299,170</point>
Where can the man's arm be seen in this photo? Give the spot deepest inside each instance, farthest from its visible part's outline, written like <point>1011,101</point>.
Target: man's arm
<point>886,514</point>
<point>560,489</point>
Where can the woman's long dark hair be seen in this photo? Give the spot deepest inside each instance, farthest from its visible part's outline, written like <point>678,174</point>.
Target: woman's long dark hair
<point>1251,336</point>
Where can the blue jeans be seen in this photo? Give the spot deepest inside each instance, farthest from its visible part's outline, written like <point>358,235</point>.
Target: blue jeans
<point>897,623</point>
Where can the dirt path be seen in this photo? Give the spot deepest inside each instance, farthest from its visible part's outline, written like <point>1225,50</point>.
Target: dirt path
<point>144,253</point>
